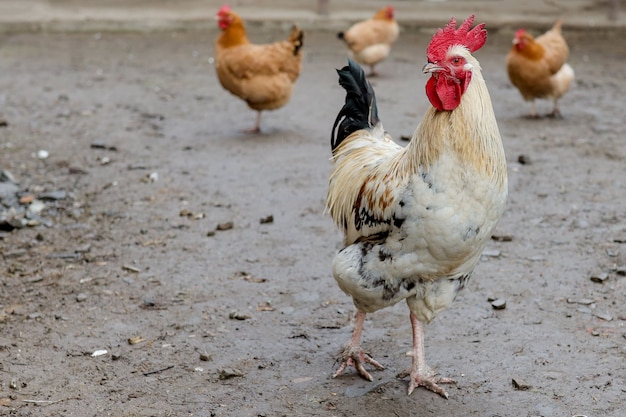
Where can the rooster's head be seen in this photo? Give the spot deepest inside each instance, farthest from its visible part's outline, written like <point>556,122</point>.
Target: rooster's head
<point>449,53</point>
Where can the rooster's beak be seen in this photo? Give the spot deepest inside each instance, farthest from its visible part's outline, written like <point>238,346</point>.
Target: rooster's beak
<point>431,67</point>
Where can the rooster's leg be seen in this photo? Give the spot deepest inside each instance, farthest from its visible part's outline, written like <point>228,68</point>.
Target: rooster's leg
<point>353,355</point>
<point>420,372</point>
<point>373,72</point>
<point>257,124</point>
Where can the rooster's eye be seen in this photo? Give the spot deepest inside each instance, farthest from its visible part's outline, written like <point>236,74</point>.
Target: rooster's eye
<point>456,60</point>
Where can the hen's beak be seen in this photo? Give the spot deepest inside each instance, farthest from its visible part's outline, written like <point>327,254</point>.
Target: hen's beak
<point>431,67</point>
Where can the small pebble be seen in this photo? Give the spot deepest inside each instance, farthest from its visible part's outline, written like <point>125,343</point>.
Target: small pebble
<point>228,373</point>
<point>599,278</point>
<point>521,385</point>
<point>130,268</point>
<point>43,154</point>
<point>81,297</point>
<point>238,316</point>
<point>604,316</point>
<point>499,304</point>
<point>135,340</point>
<point>502,238</point>
<point>102,145</point>
<point>53,195</point>
<point>27,199</point>
<point>36,207</point>
<point>583,301</point>
<point>267,219</point>
<point>205,357</point>
<point>98,145</point>
<point>225,226</point>
<point>7,176</point>
<point>523,159</point>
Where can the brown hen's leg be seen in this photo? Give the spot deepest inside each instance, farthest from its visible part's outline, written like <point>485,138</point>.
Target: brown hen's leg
<point>420,372</point>
<point>353,355</point>
<point>257,124</point>
<point>556,113</point>
<point>533,112</point>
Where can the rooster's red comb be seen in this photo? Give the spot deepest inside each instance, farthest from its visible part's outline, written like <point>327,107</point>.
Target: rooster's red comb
<point>444,38</point>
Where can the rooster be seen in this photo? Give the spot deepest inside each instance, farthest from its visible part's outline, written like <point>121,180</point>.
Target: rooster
<point>538,68</point>
<point>370,41</point>
<point>261,75</point>
<point>416,219</point>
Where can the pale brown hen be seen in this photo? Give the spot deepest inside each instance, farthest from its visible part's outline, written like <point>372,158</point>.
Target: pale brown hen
<point>261,75</point>
<point>370,40</point>
<point>538,68</point>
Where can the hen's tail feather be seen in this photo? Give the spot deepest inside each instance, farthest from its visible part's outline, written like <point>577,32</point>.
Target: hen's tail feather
<point>359,111</point>
<point>557,25</point>
<point>296,37</point>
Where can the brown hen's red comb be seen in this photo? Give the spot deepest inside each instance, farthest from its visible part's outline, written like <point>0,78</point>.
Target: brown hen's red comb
<point>444,38</point>
<point>224,9</point>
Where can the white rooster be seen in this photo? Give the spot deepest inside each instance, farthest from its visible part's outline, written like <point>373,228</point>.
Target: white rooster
<point>416,219</point>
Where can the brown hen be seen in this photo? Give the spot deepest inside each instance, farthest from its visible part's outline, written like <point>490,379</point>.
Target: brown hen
<point>538,67</point>
<point>261,75</point>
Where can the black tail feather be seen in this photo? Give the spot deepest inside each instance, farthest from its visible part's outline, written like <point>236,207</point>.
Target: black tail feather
<point>359,111</point>
<point>296,37</point>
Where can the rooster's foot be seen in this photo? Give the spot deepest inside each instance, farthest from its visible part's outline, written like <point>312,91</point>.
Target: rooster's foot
<point>354,356</point>
<point>427,379</point>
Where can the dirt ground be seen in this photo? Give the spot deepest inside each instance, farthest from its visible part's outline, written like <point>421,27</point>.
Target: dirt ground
<point>146,158</point>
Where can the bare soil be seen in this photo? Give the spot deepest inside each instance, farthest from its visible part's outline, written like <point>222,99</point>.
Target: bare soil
<point>248,321</point>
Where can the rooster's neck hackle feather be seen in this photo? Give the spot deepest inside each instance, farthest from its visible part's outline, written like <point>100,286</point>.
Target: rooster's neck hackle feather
<point>470,131</point>
<point>359,111</point>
